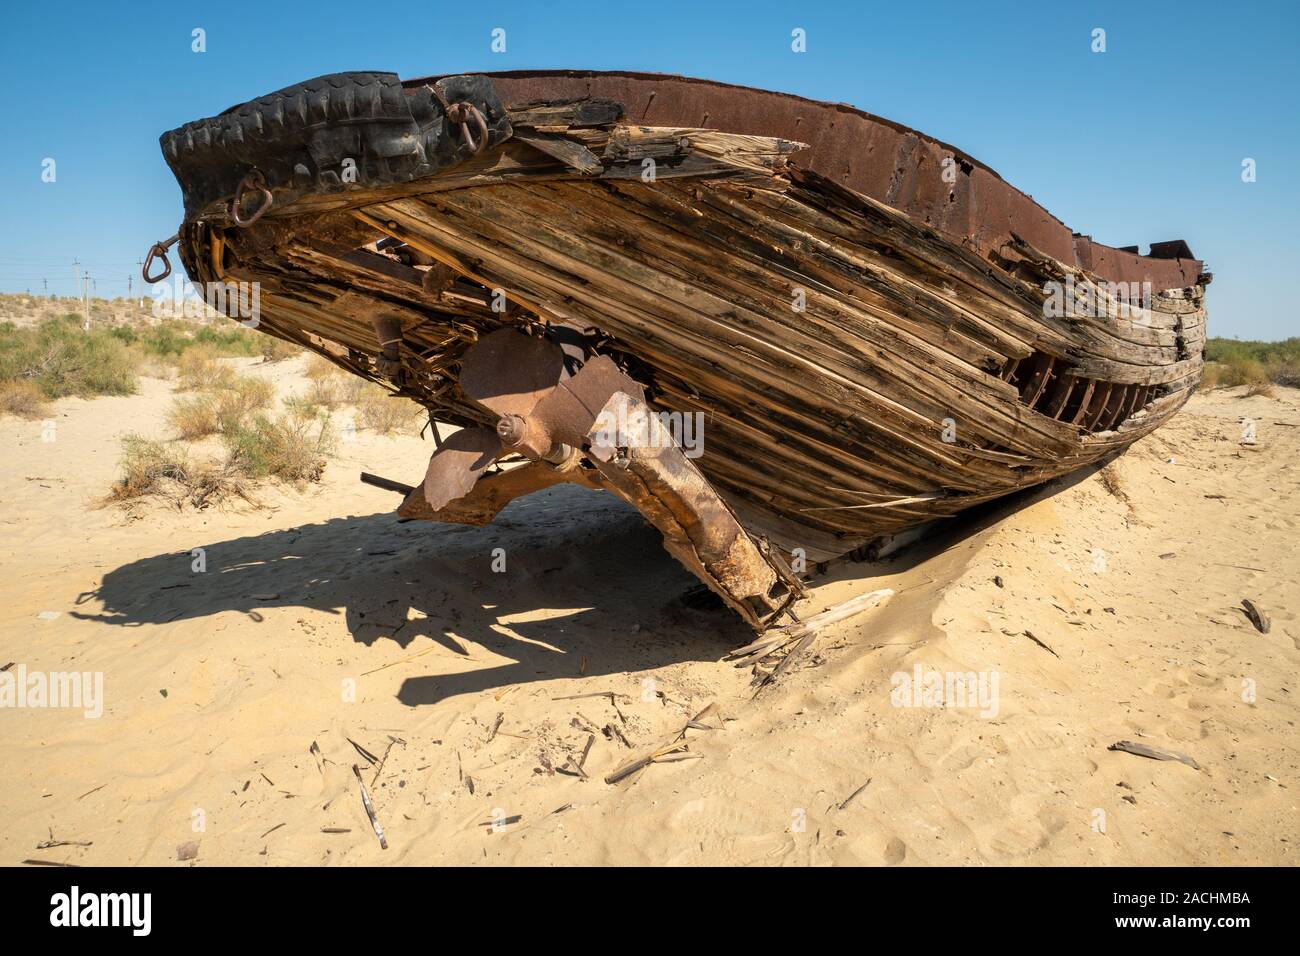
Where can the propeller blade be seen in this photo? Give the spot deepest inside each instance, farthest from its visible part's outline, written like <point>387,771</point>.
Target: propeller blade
<point>569,410</point>
<point>508,371</point>
<point>455,466</point>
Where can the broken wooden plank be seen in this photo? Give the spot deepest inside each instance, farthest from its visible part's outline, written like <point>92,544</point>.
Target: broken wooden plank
<point>1257,615</point>
<point>370,809</point>
<point>1154,753</point>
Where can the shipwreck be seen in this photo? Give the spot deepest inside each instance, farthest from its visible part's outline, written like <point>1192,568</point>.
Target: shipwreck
<point>873,328</point>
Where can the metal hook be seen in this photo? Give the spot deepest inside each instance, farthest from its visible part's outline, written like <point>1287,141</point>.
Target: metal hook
<point>461,114</point>
<point>254,180</point>
<point>159,251</point>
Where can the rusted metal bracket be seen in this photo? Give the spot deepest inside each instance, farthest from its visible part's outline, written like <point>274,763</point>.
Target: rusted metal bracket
<point>642,464</point>
<point>599,414</point>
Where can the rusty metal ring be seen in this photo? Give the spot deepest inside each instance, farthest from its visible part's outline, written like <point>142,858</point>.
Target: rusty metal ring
<point>253,181</point>
<point>461,114</point>
<point>158,251</point>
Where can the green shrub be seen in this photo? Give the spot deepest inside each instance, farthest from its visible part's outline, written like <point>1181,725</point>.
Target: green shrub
<point>1233,362</point>
<point>221,410</point>
<point>287,448</point>
<point>62,359</point>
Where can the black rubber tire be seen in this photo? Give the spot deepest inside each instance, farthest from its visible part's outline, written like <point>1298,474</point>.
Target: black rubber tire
<point>300,136</point>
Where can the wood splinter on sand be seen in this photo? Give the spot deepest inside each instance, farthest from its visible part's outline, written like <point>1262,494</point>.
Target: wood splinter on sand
<point>801,635</point>
<point>370,809</point>
<point>676,749</point>
<point>1154,753</point>
<point>1257,615</point>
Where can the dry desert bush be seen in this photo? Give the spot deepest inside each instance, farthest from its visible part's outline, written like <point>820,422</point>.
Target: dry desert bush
<point>276,350</point>
<point>1110,480</point>
<point>330,386</point>
<point>199,368</point>
<point>291,451</point>
<point>22,398</point>
<point>60,358</point>
<point>1256,365</point>
<point>287,448</point>
<point>380,410</point>
<point>221,410</point>
<point>161,470</point>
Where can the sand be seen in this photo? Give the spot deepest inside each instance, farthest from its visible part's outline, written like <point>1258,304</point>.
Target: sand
<point>320,620</point>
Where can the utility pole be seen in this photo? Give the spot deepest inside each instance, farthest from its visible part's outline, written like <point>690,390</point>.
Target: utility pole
<point>85,299</point>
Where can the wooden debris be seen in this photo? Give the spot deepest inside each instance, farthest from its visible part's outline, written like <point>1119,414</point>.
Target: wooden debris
<point>1030,634</point>
<point>676,749</point>
<point>850,798</point>
<point>370,808</point>
<point>1257,615</point>
<point>580,763</point>
<point>632,766</point>
<point>369,757</point>
<point>801,636</point>
<point>611,695</point>
<point>612,731</point>
<point>379,768</point>
<point>582,723</point>
<point>1142,750</point>
<point>319,757</point>
<point>51,843</point>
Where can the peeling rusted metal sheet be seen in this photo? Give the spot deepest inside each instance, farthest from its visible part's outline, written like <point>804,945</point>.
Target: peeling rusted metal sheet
<point>867,153</point>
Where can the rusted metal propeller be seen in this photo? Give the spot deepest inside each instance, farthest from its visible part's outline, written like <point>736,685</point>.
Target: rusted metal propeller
<point>544,413</point>
<point>555,418</point>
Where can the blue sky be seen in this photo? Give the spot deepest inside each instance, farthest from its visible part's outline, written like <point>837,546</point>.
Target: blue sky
<point>1143,142</point>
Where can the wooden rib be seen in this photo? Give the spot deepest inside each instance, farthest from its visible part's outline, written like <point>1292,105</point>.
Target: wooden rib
<point>1096,405</point>
<point>1082,412</point>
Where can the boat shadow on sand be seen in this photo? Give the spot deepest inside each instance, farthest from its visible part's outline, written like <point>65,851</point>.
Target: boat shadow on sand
<point>585,578</point>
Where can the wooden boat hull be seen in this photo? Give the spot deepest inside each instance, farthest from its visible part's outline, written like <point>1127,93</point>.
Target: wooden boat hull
<point>858,369</point>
